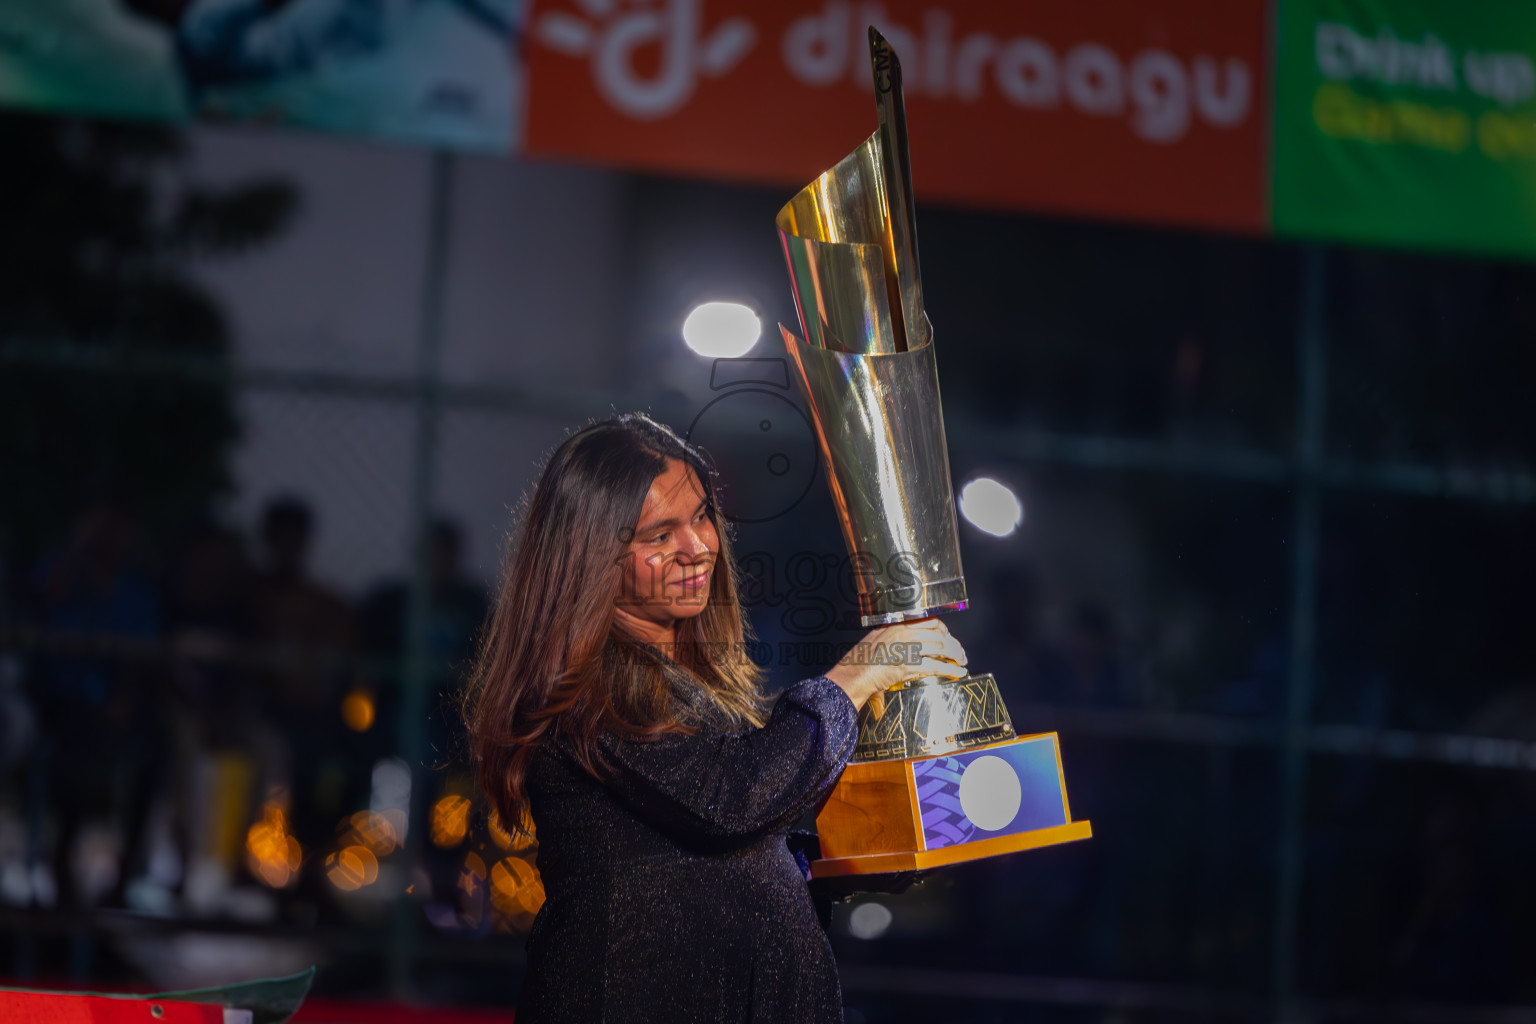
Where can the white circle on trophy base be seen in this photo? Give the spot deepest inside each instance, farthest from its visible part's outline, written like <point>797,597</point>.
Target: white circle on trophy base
<point>990,793</point>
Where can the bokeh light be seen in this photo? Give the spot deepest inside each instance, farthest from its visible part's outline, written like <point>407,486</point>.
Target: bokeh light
<point>991,507</point>
<point>869,921</point>
<point>516,887</point>
<point>722,330</point>
<point>375,831</point>
<point>506,838</point>
<point>358,710</point>
<point>450,821</point>
<point>472,875</point>
<point>351,868</point>
<point>272,854</point>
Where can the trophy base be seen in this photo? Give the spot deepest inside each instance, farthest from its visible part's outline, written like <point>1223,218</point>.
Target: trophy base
<point>930,812</point>
<point>930,715</point>
<point>927,860</point>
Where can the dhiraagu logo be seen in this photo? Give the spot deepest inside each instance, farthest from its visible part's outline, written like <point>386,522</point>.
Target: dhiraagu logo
<point>610,32</point>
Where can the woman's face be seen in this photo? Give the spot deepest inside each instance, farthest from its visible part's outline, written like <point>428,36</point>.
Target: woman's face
<point>670,558</point>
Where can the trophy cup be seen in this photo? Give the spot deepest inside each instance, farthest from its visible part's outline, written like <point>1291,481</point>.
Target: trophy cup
<point>938,775</point>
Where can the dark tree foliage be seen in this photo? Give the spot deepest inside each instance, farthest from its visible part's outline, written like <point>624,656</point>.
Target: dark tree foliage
<point>113,379</point>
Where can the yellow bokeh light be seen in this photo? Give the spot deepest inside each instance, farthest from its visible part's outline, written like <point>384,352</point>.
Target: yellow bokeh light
<point>516,887</point>
<point>378,832</point>
<point>351,868</point>
<point>471,883</point>
<point>450,821</point>
<point>472,877</point>
<point>499,835</point>
<point>506,838</point>
<point>272,854</point>
<point>357,710</point>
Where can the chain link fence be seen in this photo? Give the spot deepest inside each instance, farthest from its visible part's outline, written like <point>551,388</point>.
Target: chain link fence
<point>1292,683</point>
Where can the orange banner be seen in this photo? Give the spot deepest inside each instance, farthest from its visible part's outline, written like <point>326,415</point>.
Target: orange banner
<point>1148,110</point>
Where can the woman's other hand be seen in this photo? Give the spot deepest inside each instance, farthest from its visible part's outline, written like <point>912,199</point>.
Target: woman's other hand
<point>894,654</point>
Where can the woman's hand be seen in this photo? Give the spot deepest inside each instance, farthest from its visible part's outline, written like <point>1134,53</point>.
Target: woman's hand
<point>894,654</point>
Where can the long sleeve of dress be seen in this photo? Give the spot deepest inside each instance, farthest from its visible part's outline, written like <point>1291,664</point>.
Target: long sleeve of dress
<point>713,787</point>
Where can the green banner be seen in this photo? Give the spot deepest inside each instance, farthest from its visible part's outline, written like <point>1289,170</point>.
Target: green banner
<point>1407,123</point>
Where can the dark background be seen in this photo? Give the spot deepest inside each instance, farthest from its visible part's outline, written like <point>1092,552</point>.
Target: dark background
<point>267,403</point>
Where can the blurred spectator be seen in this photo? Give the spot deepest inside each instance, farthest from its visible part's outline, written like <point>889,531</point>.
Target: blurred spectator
<point>455,610</point>
<point>1011,648</point>
<point>220,729</point>
<point>17,720</point>
<point>210,585</point>
<point>1455,945</point>
<point>1260,691</point>
<point>456,605</point>
<point>1095,671</point>
<point>308,630</point>
<point>1088,668</point>
<point>290,612</point>
<point>209,620</point>
<point>99,714</point>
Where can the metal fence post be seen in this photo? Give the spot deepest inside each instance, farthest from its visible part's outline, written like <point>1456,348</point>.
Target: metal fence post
<point>417,671</point>
<point>1312,394</point>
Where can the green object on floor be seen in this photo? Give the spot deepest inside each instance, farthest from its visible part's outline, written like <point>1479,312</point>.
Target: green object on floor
<point>270,1000</point>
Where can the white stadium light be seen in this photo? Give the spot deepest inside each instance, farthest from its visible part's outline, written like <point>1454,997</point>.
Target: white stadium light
<point>991,507</point>
<point>869,921</point>
<point>722,330</point>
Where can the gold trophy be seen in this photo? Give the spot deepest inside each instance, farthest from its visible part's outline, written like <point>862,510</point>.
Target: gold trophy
<point>938,775</point>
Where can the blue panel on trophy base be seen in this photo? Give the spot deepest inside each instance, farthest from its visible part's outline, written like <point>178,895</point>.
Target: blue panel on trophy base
<point>991,791</point>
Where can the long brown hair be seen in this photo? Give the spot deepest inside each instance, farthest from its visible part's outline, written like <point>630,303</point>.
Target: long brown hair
<point>553,661</point>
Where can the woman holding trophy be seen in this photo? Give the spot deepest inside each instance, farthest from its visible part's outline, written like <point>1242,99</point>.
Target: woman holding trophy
<point>615,707</point>
<point>614,710</point>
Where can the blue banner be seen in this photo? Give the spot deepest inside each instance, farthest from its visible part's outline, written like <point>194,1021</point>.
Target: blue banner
<point>437,72</point>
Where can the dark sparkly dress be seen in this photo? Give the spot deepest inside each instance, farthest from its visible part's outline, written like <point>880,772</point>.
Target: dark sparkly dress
<point>671,895</point>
